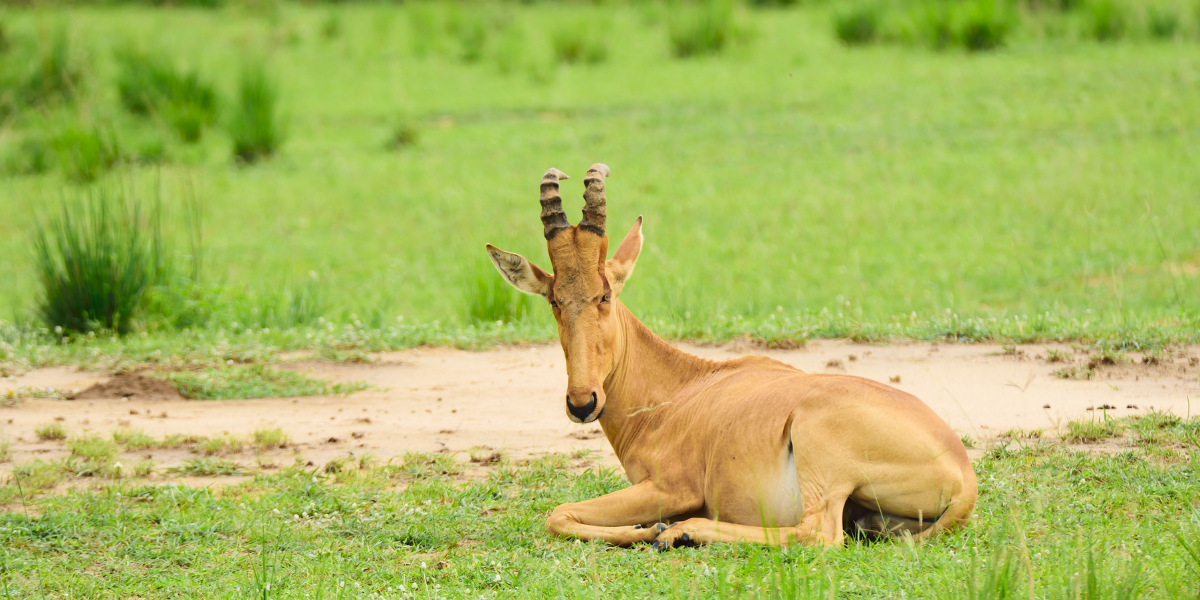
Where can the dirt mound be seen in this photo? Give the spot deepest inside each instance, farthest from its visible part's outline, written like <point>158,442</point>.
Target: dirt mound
<point>131,385</point>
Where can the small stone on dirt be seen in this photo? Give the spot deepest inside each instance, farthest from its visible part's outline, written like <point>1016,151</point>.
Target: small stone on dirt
<point>357,435</point>
<point>1132,406</point>
<point>894,379</point>
<point>332,440</point>
<point>486,459</point>
<point>1045,406</point>
<point>587,435</point>
<point>835,364</point>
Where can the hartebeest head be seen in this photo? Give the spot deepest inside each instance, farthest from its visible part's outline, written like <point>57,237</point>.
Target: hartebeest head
<point>583,289</point>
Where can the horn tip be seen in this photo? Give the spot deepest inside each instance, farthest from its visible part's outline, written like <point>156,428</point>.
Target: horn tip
<point>555,173</point>
<point>601,167</point>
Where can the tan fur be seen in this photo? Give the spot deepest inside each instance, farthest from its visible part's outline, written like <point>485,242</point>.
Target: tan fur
<point>749,449</point>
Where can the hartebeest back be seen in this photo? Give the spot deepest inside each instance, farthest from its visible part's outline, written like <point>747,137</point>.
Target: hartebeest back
<point>749,449</point>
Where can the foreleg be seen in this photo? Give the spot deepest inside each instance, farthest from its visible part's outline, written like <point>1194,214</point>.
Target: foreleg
<point>617,518</point>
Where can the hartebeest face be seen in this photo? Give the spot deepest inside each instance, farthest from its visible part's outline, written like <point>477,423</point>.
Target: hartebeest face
<point>582,291</point>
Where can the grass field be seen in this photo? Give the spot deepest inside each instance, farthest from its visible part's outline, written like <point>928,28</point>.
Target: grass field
<point>889,189</point>
<point>324,176</point>
<point>1054,521</point>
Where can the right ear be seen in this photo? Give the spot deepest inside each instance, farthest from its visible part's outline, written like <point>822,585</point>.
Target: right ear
<point>519,272</point>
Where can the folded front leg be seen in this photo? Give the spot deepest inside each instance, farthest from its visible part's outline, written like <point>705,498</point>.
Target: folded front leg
<point>617,517</point>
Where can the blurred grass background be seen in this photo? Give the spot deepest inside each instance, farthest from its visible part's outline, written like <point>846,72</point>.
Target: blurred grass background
<point>781,170</point>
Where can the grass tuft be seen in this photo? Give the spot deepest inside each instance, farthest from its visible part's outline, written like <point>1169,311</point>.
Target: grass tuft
<point>219,445</point>
<point>92,455</point>
<point>208,467</point>
<point>254,381</point>
<point>1162,22</point>
<point>1107,20</point>
<point>150,85</point>
<point>51,431</point>
<point>269,438</point>
<point>39,73</point>
<point>583,40</point>
<point>134,439</point>
<point>1093,430</point>
<point>38,474</point>
<point>257,127</point>
<point>859,25</point>
<point>706,28</point>
<point>95,262</point>
<point>985,25</point>
<point>404,134</point>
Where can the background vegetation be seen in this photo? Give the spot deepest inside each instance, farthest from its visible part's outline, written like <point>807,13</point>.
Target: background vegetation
<point>937,169</point>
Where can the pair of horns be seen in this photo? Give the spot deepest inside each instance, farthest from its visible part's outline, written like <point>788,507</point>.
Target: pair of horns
<point>555,220</point>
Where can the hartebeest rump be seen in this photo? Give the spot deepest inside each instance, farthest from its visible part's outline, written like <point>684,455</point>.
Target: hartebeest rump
<point>749,449</point>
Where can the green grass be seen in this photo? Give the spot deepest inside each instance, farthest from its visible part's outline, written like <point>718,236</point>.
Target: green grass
<point>264,438</point>
<point>51,431</point>
<point>207,467</point>
<point>1040,191</point>
<point>150,85</point>
<point>257,127</point>
<point>253,381</point>
<point>1094,430</point>
<point>96,258</point>
<point>134,439</point>
<point>1068,524</point>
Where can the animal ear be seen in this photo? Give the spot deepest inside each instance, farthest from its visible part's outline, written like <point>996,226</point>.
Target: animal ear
<point>519,272</point>
<point>620,266</point>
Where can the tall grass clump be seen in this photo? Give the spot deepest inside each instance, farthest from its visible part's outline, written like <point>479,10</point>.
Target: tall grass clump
<point>581,41</point>
<point>96,260</point>
<point>1106,20</point>
<point>984,25</point>
<point>257,126</point>
<point>38,72</point>
<point>491,299</point>
<point>151,86</point>
<point>1162,22</point>
<point>82,151</point>
<point>469,29</point>
<point>859,25</point>
<point>706,28</point>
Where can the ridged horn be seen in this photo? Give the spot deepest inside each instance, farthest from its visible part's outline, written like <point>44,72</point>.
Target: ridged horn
<point>554,219</point>
<point>595,213</point>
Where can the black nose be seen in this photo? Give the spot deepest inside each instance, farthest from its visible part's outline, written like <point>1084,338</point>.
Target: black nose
<point>582,412</point>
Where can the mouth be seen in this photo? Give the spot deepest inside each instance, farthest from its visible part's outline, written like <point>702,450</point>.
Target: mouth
<point>597,417</point>
<point>590,419</point>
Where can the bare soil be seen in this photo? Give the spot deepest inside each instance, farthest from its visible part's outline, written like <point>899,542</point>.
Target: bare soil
<point>511,399</point>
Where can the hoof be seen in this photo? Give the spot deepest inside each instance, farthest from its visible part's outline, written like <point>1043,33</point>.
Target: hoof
<point>660,546</point>
<point>661,527</point>
<point>685,539</point>
<point>637,526</point>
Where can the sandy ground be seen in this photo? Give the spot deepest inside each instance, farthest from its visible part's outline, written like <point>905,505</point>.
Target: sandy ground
<point>444,400</point>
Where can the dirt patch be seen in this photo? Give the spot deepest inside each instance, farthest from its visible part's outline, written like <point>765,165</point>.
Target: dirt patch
<point>442,400</point>
<point>133,386</point>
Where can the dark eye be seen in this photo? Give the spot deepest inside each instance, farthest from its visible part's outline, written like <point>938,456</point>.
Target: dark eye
<point>605,299</point>
<point>552,302</point>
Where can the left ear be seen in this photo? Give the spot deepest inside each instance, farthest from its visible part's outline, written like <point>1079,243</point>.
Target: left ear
<point>620,266</point>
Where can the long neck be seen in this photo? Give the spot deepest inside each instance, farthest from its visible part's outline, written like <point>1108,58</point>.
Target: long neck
<point>646,373</point>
